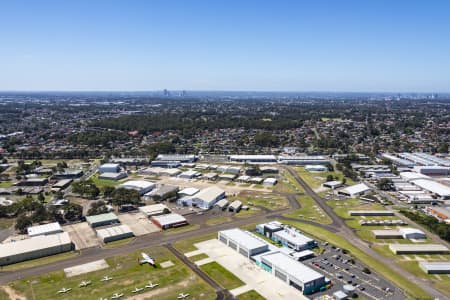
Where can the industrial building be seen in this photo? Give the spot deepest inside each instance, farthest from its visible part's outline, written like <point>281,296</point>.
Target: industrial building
<point>190,191</point>
<point>162,192</point>
<point>243,242</point>
<point>387,234</point>
<point>189,174</point>
<point>292,272</point>
<point>398,161</point>
<point>432,170</point>
<point>334,184</point>
<point>440,213</point>
<point>227,177</point>
<point>418,249</point>
<point>222,204</point>
<point>154,209</point>
<point>62,184</point>
<point>412,233</point>
<point>206,198</point>
<point>435,188</point>
<point>141,186</point>
<point>253,158</point>
<point>182,158</point>
<point>109,168</point>
<point>235,206</point>
<point>293,239</point>
<point>408,176</point>
<point>169,221</point>
<point>112,176</point>
<point>355,190</point>
<point>114,233</point>
<point>68,174</point>
<point>371,168</point>
<point>35,247</point>
<point>371,213</point>
<point>102,220</point>
<point>165,164</point>
<point>303,160</point>
<point>435,267</point>
<point>156,171</point>
<point>45,229</point>
<point>268,229</point>
<point>32,182</point>
<point>270,181</point>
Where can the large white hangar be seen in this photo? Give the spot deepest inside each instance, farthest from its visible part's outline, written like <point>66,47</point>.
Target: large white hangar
<point>35,247</point>
<point>141,186</point>
<point>243,242</point>
<point>435,267</point>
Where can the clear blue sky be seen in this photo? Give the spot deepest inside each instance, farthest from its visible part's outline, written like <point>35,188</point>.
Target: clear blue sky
<point>315,45</point>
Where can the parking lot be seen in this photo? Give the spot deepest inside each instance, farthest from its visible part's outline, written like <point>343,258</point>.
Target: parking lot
<point>344,270</point>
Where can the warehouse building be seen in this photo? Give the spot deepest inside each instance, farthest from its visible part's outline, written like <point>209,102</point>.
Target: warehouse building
<point>109,168</point>
<point>182,158</point>
<point>62,184</point>
<point>398,161</point>
<point>114,233</point>
<point>418,249</point>
<point>102,220</point>
<point>189,174</point>
<point>243,242</point>
<point>270,181</point>
<point>435,267</point>
<point>253,159</point>
<point>334,184</point>
<point>162,192</point>
<point>166,163</point>
<point>154,209</point>
<point>303,160</point>
<point>113,176</point>
<point>156,171</point>
<point>408,176</point>
<point>412,233</point>
<point>141,186</point>
<point>293,239</point>
<point>69,174</point>
<point>355,190</point>
<point>222,204</point>
<point>371,213</point>
<point>206,198</point>
<point>436,188</point>
<point>45,229</point>
<point>211,176</point>
<point>292,272</point>
<point>235,206</point>
<point>32,182</point>
<point>190,191</point>
<point>35,247</point>
<point>432,170</point>
<point>387,234</point>
<point>227,177</point>
<point>440,213</point>
<point>169,221</point>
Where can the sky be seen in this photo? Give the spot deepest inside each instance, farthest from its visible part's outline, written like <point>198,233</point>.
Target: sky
<point>253,45</point>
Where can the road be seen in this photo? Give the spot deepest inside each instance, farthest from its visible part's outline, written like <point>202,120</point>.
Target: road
<point>349,234</point>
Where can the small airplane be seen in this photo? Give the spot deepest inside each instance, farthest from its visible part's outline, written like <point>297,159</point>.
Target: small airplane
<point>64,290</point>
<point>137,290</point>
<point>116,296</point>
<point>84,283</point>
<point>106,278</point>
<point>182,296</point>
<point>147,259</point>
<point>102,298</point>
<point>151,285</point>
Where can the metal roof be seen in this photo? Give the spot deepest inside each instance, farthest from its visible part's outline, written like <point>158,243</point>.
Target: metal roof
<point>417,247</point>
<point>433,187</point>
<point>209,194</point>
<point>44,229</point>
<point>34,244</point>
<point>169,219</point>
<point>101,218</point>
<point>293,236</point>
<point>153,209</point>
<point>113,231</point>
<point>356,189</point>
<point>292,267</point>
<point>244,238</point>
<point>137,184</point>
<point>435,265</point>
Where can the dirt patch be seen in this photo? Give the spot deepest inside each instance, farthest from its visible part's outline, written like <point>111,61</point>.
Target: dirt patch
<point>12,294</point>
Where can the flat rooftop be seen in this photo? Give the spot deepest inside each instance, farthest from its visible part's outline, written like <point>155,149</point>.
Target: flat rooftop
<point>244,238</point>
<point>34,244</point>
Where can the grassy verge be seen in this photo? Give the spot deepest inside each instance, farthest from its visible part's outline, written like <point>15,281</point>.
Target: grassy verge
<point>105,182</point>
<point>409,287</point>
<point>221,275</point>
<point>198,257</point>
<point>5,184</point>
<point>250,295</point>
<point>315,179</point>
<point>187,245</point>
<point>6,222</point>
<point>38,261</point>
<point>126,274</point>
<point>218,220</point>
<point>309,211</point>
<point>182,229</point>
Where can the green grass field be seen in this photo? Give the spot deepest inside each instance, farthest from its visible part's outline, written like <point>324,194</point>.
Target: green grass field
<point>267,200</point>
<point>221,275</point>
<point>250,295</point>
<point>187,245</point>
<point>5,184</point>
<point>6,222</point>
<point>198,257</point>
<point>218,220</point>
<point>315,179</point>
<point>322,234</point>
<point>105,182</point>
<point>309,211</point>
<point>126,274</point>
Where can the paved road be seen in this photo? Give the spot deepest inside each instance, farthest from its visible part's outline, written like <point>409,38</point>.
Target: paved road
<point>350,235</point>
<point>222,294</point>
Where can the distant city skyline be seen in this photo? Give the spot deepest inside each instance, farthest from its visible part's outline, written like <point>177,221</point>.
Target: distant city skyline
<point>255,46</point>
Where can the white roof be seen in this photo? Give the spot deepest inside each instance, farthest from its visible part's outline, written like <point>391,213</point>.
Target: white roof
<point>244,238</point>
<point>137,184</point>
<point>209,194</point>
<point>293,236</point>
<point>189,173</point>
<point>410,231</point>
<point>109,165</point>
<point>418,247</point>
<point>169,219</point>
<point>270,180</point>
<point>253,157</point>
<point>292,267</point>
<point>433,187</point>
<point>235,204</point>
<point>190,191</point>
<point>356,189</point>
<point>101,218</point>
<point>333,183</point>
<point>413,175</point>
<point>44,229</point>
<point>113,231</point>
<point>435,265</point>
<point>34,244</point>
<point>153,209</point>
